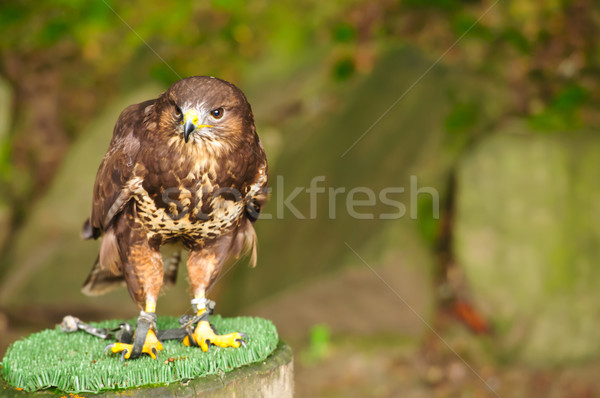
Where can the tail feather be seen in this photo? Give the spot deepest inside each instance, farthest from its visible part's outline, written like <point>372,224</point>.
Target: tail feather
<point>171,268</point>
<point>106,274</point>
<point>245,243</point>
<point>250,246</point>
<point>101,281</point>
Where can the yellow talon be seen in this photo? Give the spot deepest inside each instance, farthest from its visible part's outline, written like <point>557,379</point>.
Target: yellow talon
<point>204,336</point>
<point>151,347</point>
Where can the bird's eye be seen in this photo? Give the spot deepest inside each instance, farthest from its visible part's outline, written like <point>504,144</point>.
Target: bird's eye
<point>217,113</point>
<point>178,113</point>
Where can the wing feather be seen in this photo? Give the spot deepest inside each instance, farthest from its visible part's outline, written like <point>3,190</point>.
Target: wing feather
<point>115,183</point>
<point>117,175</point>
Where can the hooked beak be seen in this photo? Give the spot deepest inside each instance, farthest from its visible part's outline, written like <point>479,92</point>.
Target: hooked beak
<point>190,124</point>
<point>188,128</point>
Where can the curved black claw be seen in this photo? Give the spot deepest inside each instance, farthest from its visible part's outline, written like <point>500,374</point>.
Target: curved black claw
<point>125,351</point>
<point>108,347</point>
<point>208,343</point>
<point>243,339</point>
<point>155,352</point>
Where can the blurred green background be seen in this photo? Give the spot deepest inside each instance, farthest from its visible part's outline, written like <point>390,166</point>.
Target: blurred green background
<point>492,106</point>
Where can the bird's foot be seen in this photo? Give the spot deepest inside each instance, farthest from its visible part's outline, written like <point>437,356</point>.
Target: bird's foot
<point>204,335</point>
<point>151,345</point>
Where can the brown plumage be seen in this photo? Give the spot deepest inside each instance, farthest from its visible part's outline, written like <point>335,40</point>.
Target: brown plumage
<point>187,167</point>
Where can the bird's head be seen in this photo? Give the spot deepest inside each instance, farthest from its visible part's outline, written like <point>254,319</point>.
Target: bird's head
<point>204,109</point>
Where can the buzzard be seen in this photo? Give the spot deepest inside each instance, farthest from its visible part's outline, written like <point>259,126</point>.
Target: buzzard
<point>187,168</point>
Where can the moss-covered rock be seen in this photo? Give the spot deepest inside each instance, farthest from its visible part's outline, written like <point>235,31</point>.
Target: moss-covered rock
<point>528,238</point>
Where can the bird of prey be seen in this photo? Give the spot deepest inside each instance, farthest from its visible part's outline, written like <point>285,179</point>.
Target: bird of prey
<point>188,168</point>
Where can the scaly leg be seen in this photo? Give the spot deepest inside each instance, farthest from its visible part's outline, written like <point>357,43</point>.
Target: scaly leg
<point>143,271</point>
<point>204,335</point>
<point>204,265</point>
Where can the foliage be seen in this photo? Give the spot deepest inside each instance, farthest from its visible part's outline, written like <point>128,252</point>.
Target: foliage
<point>104,46</point>
<point>319,345</point>
<point>544,54</point>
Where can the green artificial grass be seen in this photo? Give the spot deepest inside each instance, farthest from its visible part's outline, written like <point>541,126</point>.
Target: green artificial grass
<point>75,362</point>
